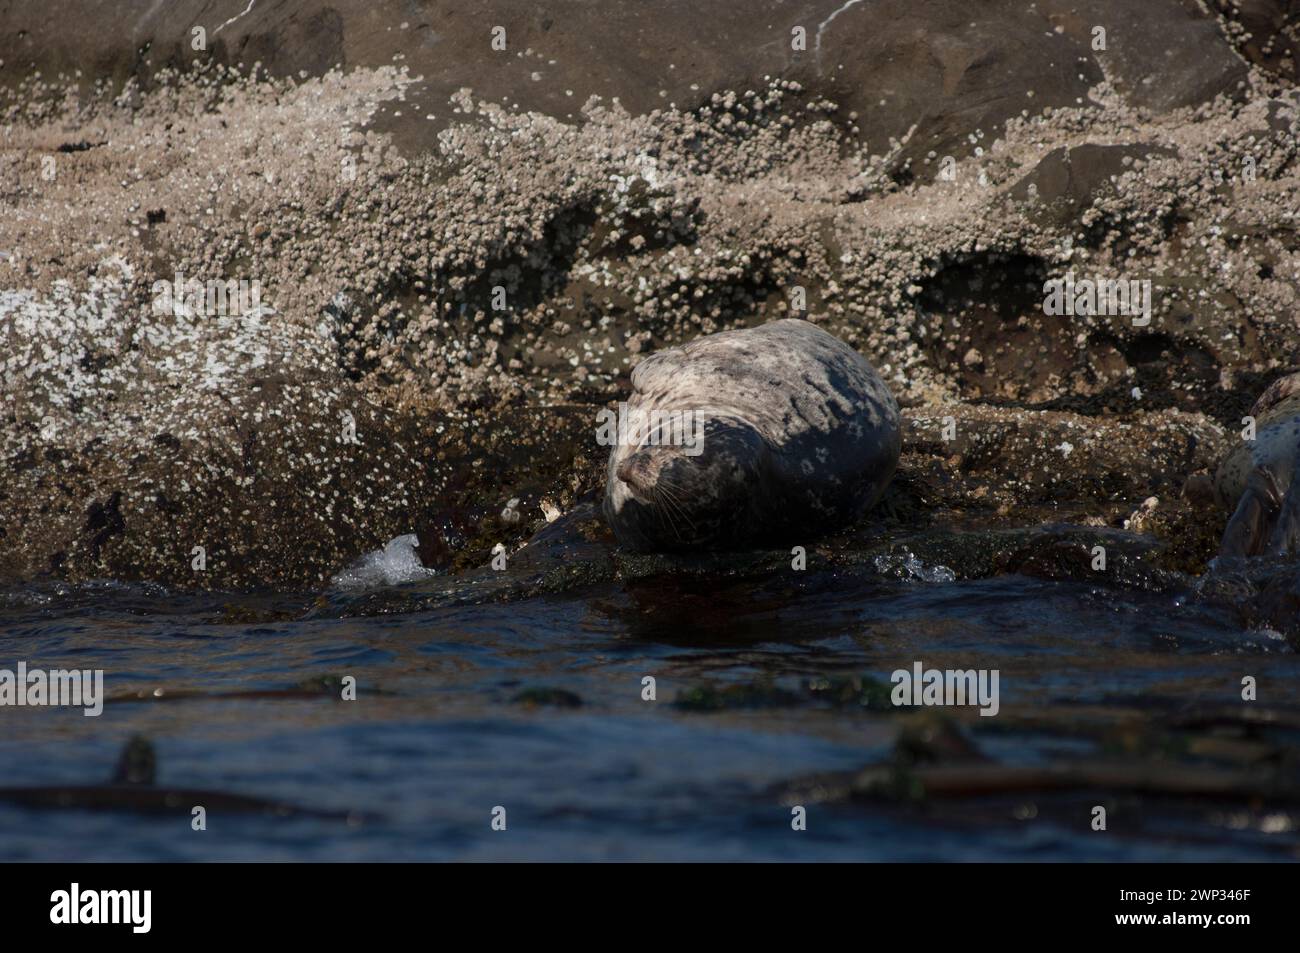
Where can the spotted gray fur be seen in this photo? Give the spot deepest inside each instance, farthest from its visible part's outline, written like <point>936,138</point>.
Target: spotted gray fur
<point>800,436</point>
<point>1260,478</point>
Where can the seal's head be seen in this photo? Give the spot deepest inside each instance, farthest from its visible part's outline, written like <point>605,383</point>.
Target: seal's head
<point>791,433</point>
<point>1261,478</point>
<point>680,497</point>
<point>1285,391</point>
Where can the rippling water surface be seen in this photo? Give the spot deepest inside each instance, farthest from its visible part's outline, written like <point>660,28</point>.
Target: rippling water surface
<point>536,705</point>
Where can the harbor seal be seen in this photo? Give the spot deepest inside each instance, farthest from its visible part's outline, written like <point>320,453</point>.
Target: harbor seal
<point>1261,478</point>
<point>782,432</point>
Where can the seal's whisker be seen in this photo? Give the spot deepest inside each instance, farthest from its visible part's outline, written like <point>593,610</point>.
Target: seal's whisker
<point>672,491</point>
<point>674,511</point>
<point>665,510</point>
<point>662,510</point>
<point>669,490</point>
<point>668,494</point>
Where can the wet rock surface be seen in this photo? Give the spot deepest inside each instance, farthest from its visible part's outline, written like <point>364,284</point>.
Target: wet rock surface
<point>461,257</point>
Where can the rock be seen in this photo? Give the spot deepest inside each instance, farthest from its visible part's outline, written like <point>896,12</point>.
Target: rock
<point>381,239</point>
<point>1160,56</point>
<point>1069,180</point>
<point>924,73</point>
<point>1020,456</point>
<point>1266,33</point>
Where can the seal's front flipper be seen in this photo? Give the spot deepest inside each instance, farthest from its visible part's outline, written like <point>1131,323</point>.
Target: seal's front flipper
<point>1285,539</point>
<point>1247,533</point>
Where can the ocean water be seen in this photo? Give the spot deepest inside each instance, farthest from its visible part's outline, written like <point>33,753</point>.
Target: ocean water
<point>535,705</point>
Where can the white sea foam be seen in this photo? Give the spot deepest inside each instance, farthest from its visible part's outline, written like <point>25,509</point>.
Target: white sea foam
<point>393,565</point>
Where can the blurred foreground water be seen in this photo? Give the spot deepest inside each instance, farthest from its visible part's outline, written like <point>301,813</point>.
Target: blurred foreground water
<point>769,694</point>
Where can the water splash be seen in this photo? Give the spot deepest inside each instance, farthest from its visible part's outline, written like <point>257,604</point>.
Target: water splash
<point>395,564</point>
<point>909,566</point>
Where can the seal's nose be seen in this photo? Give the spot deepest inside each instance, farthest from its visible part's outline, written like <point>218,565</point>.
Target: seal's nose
<point>630,472</point>
<point>638,472</point>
